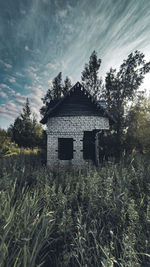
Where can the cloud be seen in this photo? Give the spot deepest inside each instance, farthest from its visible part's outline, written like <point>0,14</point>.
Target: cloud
<point>50,82</point>
<point>26,48</point>
<point>32,69</point>
<point>7,65</point>
<point>7,89</point>
<point>45,37</point>
<point>34,76</point>
<point>4,86</point>
<point>31,72</point>
<point>35,94</point>
<point>52,66</point>
<point>62,13</point>
<point>3,95</point>
<point>10,110</point>
<point>12,80</point>
<point>35,100</point>
<point>19,74</point>
<point>18,98</point>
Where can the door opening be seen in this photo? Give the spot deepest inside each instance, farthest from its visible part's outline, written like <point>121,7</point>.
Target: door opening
<point>89,145</point>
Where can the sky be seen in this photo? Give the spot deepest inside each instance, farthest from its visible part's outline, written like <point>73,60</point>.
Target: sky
<point>40,38</point>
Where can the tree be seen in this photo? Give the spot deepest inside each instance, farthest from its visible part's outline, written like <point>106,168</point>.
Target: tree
<point>4,142</point>
<point>121,87</point>
<point>26,111</point>
<point>57,90</point>
<point>57,86</point>
<point>138,131</point>
<point>26,131</point>
<point>67,85</point>
<point>90,79</point>
<point>17,131</point>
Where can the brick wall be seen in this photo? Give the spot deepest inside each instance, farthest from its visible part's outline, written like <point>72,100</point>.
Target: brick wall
<point>71,127</point>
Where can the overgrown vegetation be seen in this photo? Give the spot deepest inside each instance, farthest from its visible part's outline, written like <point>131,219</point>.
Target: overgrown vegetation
<point>9,148</point>
<point>88,217</point>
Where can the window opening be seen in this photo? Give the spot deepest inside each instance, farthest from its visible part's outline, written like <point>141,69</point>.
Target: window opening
<point>65,148</point>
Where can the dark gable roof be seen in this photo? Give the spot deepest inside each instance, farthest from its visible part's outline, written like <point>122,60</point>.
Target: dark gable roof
<point>99,106</point>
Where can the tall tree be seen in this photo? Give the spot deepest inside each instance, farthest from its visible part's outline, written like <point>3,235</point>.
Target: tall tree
<point>90,79</point>
<point>66,86</point>
<point>57,90</point>
<point>25,130</point>
<point>122,86</point>
<point>52,93</point>
<point>26,111</point>
<point>57,86</point>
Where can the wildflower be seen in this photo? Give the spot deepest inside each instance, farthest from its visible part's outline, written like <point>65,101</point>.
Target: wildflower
<point>36,219</point>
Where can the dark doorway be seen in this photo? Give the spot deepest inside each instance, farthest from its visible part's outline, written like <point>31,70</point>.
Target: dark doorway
<point>89,145</point>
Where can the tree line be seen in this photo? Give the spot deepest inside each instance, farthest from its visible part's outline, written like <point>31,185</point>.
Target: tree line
<point>25,132</point>
<point>123,98</point>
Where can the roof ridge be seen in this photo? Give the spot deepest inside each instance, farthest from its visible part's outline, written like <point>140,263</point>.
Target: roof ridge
<point>82,88</point>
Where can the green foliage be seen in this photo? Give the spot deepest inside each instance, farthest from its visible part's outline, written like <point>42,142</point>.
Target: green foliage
<point>26,114</point>
<point>4,141</point>
<point>26,132</point>
<point>9,148</point>
<point>90,79</point>
<point>87,217</point>
<point>57,86</point>
<point>57,90</point>
<point>121,87</point>
<point>67,85</point>
<point>138,132</point>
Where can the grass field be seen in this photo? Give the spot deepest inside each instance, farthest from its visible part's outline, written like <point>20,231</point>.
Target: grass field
<point>90,217</point>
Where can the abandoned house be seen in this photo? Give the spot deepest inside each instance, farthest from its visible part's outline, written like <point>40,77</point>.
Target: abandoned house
<point>73,124</point>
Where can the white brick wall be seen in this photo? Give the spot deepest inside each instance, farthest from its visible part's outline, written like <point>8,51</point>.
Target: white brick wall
<point>76,124</point>
<point>71,127</point>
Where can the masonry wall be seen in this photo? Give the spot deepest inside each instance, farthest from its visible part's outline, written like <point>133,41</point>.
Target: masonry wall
<point>71,127</point>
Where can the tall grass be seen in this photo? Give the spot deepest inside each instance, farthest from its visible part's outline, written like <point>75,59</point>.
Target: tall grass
<point>90,217</point>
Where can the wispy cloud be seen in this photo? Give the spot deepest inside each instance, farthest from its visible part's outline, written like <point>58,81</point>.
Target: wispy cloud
<point>12,80</point>
<point>53,66</point>
<point>62,13</point>
<point>35,94</point>
<point>4,86</point>
<point>19,74</point>
<point>10,110</point>
<point>3,95</point>
<point>18,98</point>
<point>44,37</point>
<point>7,65</point>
